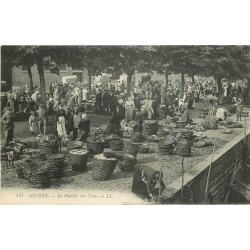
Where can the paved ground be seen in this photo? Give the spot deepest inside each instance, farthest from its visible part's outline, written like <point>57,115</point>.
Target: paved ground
<point>120,181</point>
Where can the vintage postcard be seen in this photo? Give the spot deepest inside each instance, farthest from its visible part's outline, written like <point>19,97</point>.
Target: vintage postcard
<point>134,125</point>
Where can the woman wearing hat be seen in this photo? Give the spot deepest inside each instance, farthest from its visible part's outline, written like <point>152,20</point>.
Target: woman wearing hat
<point>84,128</point>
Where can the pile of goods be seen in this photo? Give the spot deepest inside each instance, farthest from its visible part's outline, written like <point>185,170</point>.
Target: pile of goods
<point>186,134</point>
<point>74,145</point>
<point>163,131</point>
<point>181,124</point>
<point>78,159</point>
<point>103,167</point>
<point>244,113</point>
<point>210,123</point>
<point>153,138</point>
<point>203,143</point>
<point>150,127</point>
<point>136,137</point>
<point>144,149</point>
<point>166,147</point>
<point>234,125</point>
<point>49,144</point>
<point>128,163</point>
<point>13,148</point>
<point>116,144</point>
<point>183,147</point>
<point>227,131</point>
<point>175,132</point>
<point>131,148</point>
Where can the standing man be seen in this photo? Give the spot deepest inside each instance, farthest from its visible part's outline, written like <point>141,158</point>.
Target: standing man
<point>42,118</point>
<point>8,121</point>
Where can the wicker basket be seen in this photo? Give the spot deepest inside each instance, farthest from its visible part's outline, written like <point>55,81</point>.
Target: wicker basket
<point>103,168</point>
<point>74,145</point>
<point>131,148</point>
<point>183,147</point>
<point>40,175</point>
<point>210,123</point>
<point>49,148</point>
<point>150,127</point>
<point>187,134</point>
<point>95,147</point>
<point>78,159</point>
<point>56,163</point>
<point>116,144</point>
<point>128,164</point>
<point>136,137</point>
<point>166,147</point>
<point>144,149</point>
<point>181,124</point>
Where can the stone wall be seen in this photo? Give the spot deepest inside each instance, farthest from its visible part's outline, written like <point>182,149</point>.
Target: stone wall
<point>227,160</point>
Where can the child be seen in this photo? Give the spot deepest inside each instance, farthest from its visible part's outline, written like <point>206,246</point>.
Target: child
<point>238,108</point>
<point>32,122</point>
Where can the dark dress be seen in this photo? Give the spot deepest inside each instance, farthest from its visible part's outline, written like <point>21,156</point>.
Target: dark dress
<point>144,181</point>
<point>84,129</point>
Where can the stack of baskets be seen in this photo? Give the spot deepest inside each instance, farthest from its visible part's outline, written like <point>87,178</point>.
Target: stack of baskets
<point>187,134</point>
<point>103,167</point>
<point>210,123</point>
<point>150,127</point>
<point>166,147</point>
<point>131,148</point>
<point>183,147</point>
<point>78,159</point>
<point>40,175</point>
<point>175,132</point>
<point>136,137</point>
<point>56,164</point>
<point>181,124</point>
<point>116,144</point>
<point>128,163</point>
<point>95,147</point>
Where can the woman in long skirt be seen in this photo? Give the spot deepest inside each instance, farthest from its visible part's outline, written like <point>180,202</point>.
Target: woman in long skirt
<point>129,108</point>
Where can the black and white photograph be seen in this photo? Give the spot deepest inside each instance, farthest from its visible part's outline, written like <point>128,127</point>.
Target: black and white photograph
<point>125,124</point>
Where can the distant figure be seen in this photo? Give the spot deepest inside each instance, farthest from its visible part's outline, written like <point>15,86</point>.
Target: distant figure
<point>221,114</point>
<point>239,108</point>
<point>129,108</point>
<point>32,123</point>
<point>84,128</point>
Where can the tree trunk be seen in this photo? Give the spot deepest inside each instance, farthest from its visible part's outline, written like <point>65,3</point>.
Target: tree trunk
<point>193,79</point>
<point>166,75</point>
<point>182,83</point>
<point>90,75</point>
<point>30,77</point>
<point>129,80</point>
<point>42,79</point>
<point>220,90</point>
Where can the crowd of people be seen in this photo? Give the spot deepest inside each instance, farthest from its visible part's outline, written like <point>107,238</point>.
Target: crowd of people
<point>71,102</point>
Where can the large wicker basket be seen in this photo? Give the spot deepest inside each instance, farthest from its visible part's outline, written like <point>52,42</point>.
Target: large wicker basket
<point>39,176</point>
<point>150,127</point>
<point>166,147</point>
<point>95,147</point>
<point>56,165</point>
<point>128,163</point>
<point>78,159</point>
<point>48,148</point>
<point>103,168</point>
<point>116,144</point>
<point>131,148</point>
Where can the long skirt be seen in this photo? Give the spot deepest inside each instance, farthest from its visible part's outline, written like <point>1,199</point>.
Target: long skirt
<point>61,128</point>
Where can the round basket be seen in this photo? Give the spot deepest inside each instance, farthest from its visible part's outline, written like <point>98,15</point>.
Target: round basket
<point>136,137</point>
<point>181,124</point>
<point>74,145</point>
<point>187,134</point>
<point>150,127</point>
<point>56,163</point>
<point>131,148</point>
<point>176,131</point>
<point>129,161</point>
<point>103,168</point>
<point>210,123</point>
<point>183,147</point>
<point>78,159</point>
<point>95,147</point>
<point>166,147</point>
<point>39,176</point>
<point>48,148</point>
<point>116,144</point>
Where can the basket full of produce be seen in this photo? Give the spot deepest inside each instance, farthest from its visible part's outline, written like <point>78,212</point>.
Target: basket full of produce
<point>181,124</point>
<point>78,159</point>
<point>49,144</point>
<point>186,134</point>
<point>74,145</point>
<point>56,165</point>
<point>128,163</point>
<point>103,167</point>
<point>96,144</point>
<point>131,148</point>
<point>116,144</point>
<point>136,137</point>
<point>210,123</point>
<point>150,127</point>
<point>144,149</point>
<point>166,147</point>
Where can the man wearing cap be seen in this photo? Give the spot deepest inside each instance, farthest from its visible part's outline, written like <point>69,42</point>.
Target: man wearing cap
<point>8,121</point>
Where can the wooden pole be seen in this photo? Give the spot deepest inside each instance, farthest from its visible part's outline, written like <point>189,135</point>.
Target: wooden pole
<point>159,196</point>
<point>182,177</point>
<point>209,170</point>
